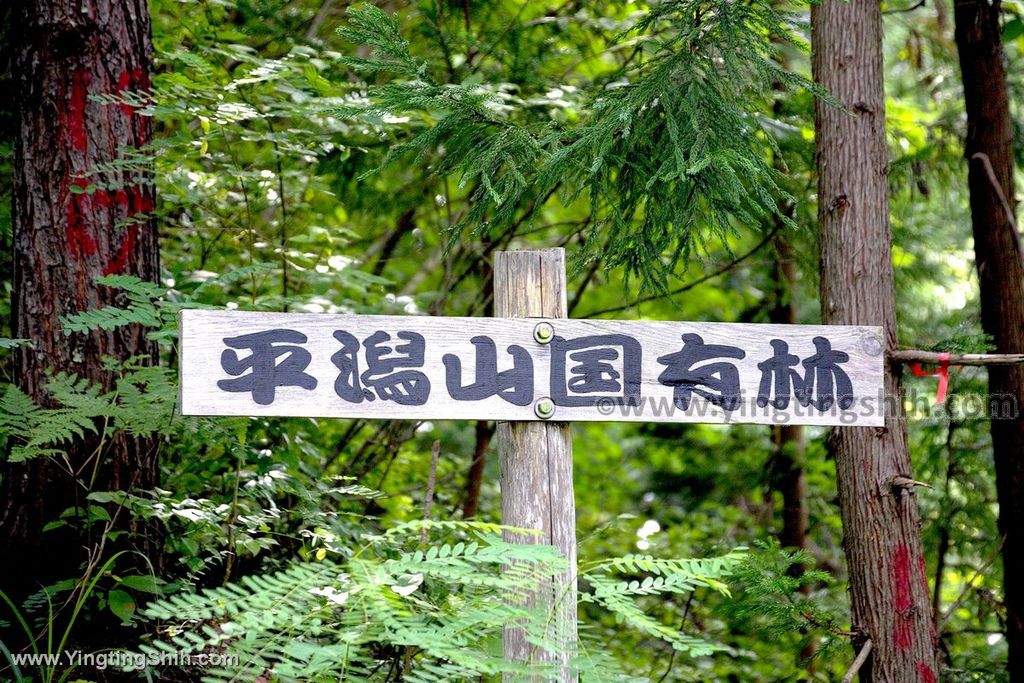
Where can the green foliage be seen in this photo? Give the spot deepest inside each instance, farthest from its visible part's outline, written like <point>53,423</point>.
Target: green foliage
<point>665,577</point>
<point>431,613</point>
<point>52,640</point>
<point>41,428</point>
<point>772,583</point>
<point>690,94</point>
<point>140,405</point>
<point>377,173</point>
<point>140,310</point>
<point>149,305</point>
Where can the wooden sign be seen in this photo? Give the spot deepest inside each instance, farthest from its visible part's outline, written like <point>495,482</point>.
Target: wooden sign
<point>533,375</point>
<point>411,367</point>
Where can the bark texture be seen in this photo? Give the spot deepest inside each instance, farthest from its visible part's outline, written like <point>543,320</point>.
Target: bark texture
<point>536,465</point>
<point>989,151</point>
<point>882,541</point>
<point>83,202</point>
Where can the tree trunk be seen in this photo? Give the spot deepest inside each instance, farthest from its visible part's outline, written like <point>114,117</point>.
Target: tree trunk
<point>989,151</point>
<point>475,479</point>
<point>484,429</point>
<point>787,471</point>
<point>888,588</point>
<point>788,476</point>
<point>76,216</point>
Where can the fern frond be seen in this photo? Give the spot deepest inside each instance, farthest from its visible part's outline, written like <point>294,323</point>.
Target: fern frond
<point>141,310</point>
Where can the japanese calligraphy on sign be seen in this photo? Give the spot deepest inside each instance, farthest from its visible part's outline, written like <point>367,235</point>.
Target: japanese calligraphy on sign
<point>408,367</point>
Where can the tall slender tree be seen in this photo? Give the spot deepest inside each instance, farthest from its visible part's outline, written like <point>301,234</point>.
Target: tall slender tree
<point>997,254</point>
<point>788,477</point>
<point>882,541</point>
<point>82,208</point>
<point>787,470</point>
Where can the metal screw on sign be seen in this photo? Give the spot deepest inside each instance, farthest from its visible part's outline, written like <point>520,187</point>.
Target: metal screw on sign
<point>543,333</point>
<point>544,408</point>
<point>871,345</point>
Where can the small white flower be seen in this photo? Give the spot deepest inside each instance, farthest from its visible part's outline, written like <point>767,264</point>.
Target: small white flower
<point>201,275</point>
<point>339,262</point>
<point>649,528</point>
<point>332,594</point>
<point>410,582</point>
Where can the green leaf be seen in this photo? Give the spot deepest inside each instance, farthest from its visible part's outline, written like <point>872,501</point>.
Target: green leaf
<point>121,604</point>
<point>145,583</point>
<point>1013,30</point>
<point>118,497</point>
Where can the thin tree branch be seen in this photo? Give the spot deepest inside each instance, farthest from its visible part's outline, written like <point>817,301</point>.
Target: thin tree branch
<point>970,584</point>
<point>916,5</point>
<point>862,657</point>
<point>997,188</point>
<point>690,285</point>
<point>682,623</point>
<point>406,224</point>
<point>319,19</point>
<point>428,500</point>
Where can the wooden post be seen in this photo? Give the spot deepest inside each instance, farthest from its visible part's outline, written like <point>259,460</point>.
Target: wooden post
<point>536,457</point>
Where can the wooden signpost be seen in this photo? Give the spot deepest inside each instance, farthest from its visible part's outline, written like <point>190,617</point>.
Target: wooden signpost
<point>533,371</point>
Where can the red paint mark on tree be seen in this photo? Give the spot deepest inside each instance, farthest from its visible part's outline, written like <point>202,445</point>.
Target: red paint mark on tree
<point>127,82</point>
<point>902,596</point>
<point>124,84</point>
<point>134,80</point>
<point>124,254</point>
<point>108,198</point>
<point>73,120</point>
<point>901,634</point>
<point>901,577</point>
<point>141,200</point>
<point>79,241</point>
<point>925,673</point>
<point>130,201</point>
<point>135,201</point>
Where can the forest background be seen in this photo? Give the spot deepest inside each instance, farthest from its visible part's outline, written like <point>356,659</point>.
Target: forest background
<point>669,148</point>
